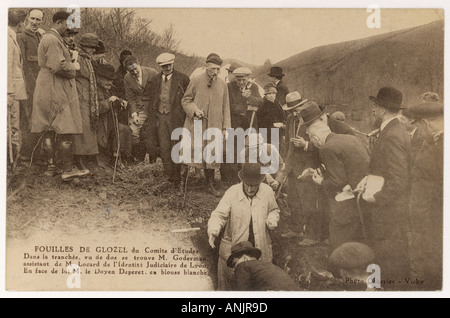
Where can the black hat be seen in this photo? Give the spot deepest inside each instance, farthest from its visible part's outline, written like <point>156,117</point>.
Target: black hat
<point>241,248</point>
<point>388,97</point>
<point>105,70</point>
<point>310,112</point>
<point>124,54</point>
<point>276,71</point>
<point>214,58</point>
<point>251,174</point>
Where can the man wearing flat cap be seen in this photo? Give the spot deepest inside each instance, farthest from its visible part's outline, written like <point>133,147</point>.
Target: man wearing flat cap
<point>85,146</point>
<point>135,82</point>
<point>165,112</point>
<point>114,138</point>
<point>246,212</point>
<point>388,208</point>
<point>56,108</point>
<point>426,199</point>
<point>206,99</point>
<point>345,160</point>
<point>243,94</point>
<point>252,274</point>
<point>276,77</point>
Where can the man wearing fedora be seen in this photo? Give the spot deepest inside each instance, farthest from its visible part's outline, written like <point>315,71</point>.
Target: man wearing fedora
<point>165,112</point>
<point>114,138</point>
<point>426,200</point>
<point>345,159</point>
<point>252,274</point>
<point>302,194</point>
<point>246,212</point>
<point>388,208</point>
<point>135,83</point>
<point>206,99</point>
<point>276,77</point>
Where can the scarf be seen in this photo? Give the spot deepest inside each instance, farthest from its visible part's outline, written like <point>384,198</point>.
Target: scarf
<point>93,98</point>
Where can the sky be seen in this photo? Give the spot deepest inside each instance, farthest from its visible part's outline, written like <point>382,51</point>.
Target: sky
<point>252,35</point>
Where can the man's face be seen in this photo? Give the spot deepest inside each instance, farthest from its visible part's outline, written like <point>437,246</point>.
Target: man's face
<point>242,80</point>
<point>378,114</point>
<point>271,97</point>
<point>251,190</point>
<point>408,123</point>
<point>272,79</point>
<point>313,132</point>
<point>69,39</point>
<point>104,82</point>
<point>89,50</point>
<point>35,19</point>
<point>61,27</point>
<point>212,70</point>
<point>167,69</point>
<point>133,69</point>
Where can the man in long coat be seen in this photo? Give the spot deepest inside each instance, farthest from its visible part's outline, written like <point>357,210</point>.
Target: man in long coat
<point>276,77</point>
<point>135,82</point>
<point>426,200</point>
<point>388,208</point>
<point>55,104</point>
<point>165,113</point>
<point>16,83</point>
<point>28,41</point>
<point>207,99</point>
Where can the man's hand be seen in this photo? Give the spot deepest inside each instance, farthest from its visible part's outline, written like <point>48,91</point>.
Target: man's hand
<point>275,184</point>
<point>135,117</point>
<point>123,104</point>
<point>271,225</point>
<point>361,187</point>
<point>246,93</point>
<point>299,142</point>
<point>112,99</point>
<point>317,178</point>
<point>77,66</point>
<point>211,239</point>
<point>199,113</point>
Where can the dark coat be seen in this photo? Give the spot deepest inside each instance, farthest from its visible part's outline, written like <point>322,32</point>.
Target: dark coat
<point>178,87</point>
<point>28,42</point>
<point>416,143</point>
<point>346,160</point>
<point>137,102</point>
<point>268,114</point>
<point>387,218</point>
<point>240,117</point>
<point>258,275</point>
<point>282,91</point>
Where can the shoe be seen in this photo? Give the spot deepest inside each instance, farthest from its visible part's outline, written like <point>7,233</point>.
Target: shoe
<point>212,190</point>
<point>69,175</point>
<point>307,242</point>
<point>52,170</point>
<point>292,234</point>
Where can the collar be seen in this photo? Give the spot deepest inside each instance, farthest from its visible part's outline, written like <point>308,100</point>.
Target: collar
<point>242,195</point>
<point>412,132</point>
<point>168,76</point>
<point>387,121</point>
<point>31,32</point>
<point>277,81</point>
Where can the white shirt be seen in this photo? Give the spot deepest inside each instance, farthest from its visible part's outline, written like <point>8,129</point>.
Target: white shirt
<point>164,76</point>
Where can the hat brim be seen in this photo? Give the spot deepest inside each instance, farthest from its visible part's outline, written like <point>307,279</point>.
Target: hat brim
<point>251,181</point>
<point>286,107</point>
<point>309,122</point>
<point>165,63</point>
<point>276,75</point>
<point>385,104</point>
<point>253,251</point>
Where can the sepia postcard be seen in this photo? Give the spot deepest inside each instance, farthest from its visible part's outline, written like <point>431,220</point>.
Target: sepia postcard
<point>97,201</point>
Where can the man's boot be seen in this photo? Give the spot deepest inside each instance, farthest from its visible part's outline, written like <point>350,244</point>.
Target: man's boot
<point>49,151</point>
<point>80,164</point>
<point>69,170</point>
<point>209,176</point>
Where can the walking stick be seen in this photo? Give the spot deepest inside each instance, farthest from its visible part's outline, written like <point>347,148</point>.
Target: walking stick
<point>280,187</point>
<point>361,217</point>
<point>185,187</point>
<point>116,128</point>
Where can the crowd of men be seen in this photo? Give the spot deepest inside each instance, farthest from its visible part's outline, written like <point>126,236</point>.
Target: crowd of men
<point>377,202</point>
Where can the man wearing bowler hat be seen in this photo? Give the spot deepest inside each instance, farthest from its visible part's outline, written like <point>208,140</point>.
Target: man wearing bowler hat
<point>247,212</point>
<point>276,77</point>
<point>426,200</point>
<point>388,208</point>
<point>251,274</point>
<point>345,160</point>
<point>165,112</point>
